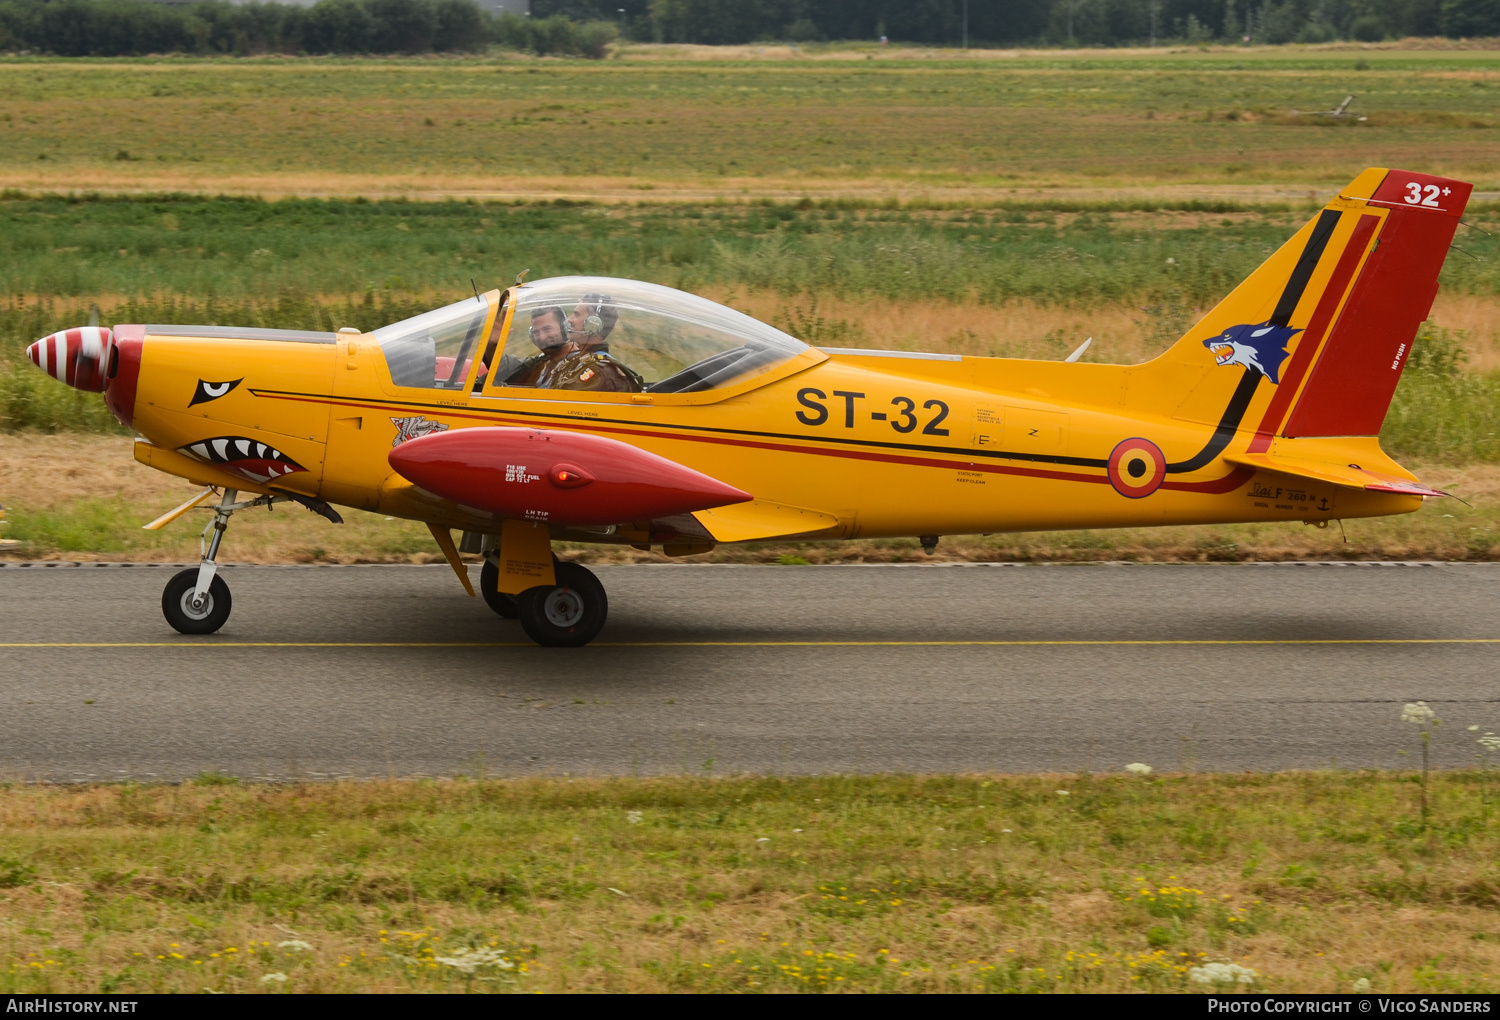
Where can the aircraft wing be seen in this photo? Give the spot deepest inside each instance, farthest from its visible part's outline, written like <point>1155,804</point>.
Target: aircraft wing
<point>760,518</point>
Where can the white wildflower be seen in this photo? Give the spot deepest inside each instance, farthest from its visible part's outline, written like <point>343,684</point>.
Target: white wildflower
<point>1489,742</point>
<point>1362,985</point>
<point>764,839</point>
<point>1139,768</point>
<point>294,946</point>
<point>1217,975</point>
<point>1063,793</point>
<point>1171,262</point>
<point>1004,830</point>
<point>1418,713</point>
<point>276,978</point>
<point>467,961</point>
<point>634,817</point>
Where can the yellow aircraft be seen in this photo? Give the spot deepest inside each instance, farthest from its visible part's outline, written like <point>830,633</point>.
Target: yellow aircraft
<point>605,410</point>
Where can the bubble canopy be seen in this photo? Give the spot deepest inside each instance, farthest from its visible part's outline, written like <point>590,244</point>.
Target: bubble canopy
<point>624,335</point>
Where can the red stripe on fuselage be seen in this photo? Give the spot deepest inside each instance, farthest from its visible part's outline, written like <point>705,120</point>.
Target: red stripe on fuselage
<point>1218,485</point>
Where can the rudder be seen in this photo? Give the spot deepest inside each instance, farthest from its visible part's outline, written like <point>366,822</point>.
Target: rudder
<point>1354,377</point>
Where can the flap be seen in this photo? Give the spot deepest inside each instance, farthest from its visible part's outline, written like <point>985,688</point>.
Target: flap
<point>759,518</point>
<point>1347,474</point>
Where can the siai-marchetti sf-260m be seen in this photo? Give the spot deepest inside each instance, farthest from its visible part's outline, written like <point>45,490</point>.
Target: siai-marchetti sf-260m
<point>588,409</point>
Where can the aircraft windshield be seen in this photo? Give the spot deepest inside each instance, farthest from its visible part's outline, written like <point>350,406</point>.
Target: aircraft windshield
<point>431,350</point>
<point>608,335</point>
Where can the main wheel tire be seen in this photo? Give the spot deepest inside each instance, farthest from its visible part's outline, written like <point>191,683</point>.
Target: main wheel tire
<point>177,604</point>
<point>569,614</point>
<point>489,582</point>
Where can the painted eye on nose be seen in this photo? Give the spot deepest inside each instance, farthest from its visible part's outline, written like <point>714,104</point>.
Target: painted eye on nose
<point>207,391</point>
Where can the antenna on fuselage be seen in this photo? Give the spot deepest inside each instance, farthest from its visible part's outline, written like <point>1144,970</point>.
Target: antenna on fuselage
<point>476,289</point>
<point>521,276</point>
<point>1079,353</point>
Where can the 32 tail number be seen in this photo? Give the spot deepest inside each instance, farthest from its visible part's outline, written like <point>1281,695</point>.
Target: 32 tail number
<point>903,419</point>
<point>1420,195</point>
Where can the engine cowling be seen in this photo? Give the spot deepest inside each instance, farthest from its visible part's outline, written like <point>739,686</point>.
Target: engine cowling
<point>567,478</point>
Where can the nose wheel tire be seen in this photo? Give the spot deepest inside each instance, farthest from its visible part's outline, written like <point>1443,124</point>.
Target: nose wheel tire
<point>489,581</point>
<point>566,615</point>
<point>185,617</point>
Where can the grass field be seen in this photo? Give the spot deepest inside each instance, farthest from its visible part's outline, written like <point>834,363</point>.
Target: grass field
<point>690,128</point>
<point>1312,881</point>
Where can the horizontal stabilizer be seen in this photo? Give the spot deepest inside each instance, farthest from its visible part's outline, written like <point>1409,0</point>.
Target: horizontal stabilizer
<point>1348,475</point>
<point>747,522</point>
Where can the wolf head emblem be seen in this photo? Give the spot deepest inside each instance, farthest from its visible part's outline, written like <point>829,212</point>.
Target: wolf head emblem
<point>1261,347</point>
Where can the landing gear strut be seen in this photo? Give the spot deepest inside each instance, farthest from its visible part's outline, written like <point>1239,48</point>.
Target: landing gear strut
<point>196,601</point>
<point>489,585</point>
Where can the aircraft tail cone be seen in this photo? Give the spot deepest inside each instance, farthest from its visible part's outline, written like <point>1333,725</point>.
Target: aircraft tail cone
<point>565,478</point>
<point>78,357</point>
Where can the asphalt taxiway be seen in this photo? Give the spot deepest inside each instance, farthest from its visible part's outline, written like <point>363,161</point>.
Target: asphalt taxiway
<point>392,671</point>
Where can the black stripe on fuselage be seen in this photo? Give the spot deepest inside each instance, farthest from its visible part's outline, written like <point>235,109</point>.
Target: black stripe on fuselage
<point>1228,424</point>
<point>582,422</point>
<point>1291,295</point>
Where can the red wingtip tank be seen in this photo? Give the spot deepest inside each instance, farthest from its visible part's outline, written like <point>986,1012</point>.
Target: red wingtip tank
<point>565,478</point>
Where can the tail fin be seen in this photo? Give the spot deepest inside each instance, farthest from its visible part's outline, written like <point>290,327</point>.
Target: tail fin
<point>1329,319</point>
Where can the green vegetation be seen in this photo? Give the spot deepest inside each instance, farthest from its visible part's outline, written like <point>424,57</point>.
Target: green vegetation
<point>279,262</point>
<point>1442,413</point>
<point>244,249</point>
<point>886,883</point>
<point>744,128</point>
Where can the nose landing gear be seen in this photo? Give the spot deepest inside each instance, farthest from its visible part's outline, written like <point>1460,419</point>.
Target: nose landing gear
<point>197,601</point>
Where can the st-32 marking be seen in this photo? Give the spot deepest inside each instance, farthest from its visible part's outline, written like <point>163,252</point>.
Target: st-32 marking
<point>903,419</point>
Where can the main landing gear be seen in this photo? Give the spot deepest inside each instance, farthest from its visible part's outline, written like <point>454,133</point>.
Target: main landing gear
<point>569,614</point>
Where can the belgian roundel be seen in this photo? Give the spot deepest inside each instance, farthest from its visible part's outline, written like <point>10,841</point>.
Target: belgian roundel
<point>1137,468</point>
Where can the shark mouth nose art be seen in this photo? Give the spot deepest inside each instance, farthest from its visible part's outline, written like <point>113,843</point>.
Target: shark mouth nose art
<point>251,460</point>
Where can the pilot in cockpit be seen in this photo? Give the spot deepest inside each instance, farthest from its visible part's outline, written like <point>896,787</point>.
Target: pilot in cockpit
<point>586,363</point>
<point>549,333</point>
